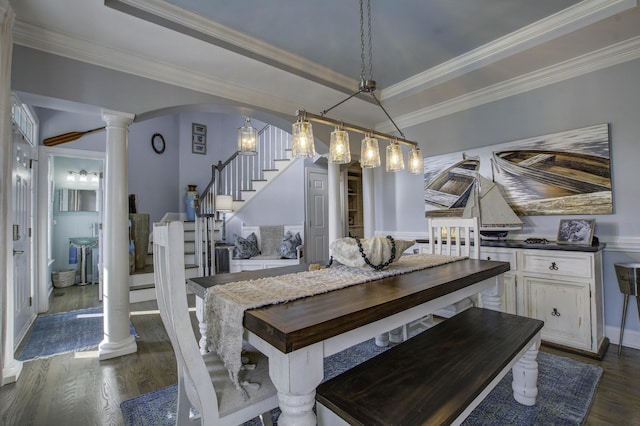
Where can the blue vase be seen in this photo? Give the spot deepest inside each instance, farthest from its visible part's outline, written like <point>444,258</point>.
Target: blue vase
<point>191,199</point>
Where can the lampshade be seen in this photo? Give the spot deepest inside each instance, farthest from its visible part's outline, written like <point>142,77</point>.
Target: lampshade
<point>395,161</point>
<point>369,153</point>
<point>71,177</point>
<point>224,203</point>
<point>247,139</point>
<point>339,152</point>
<point>83,176</point>
<point>302,144</point>
<point>416,162</point>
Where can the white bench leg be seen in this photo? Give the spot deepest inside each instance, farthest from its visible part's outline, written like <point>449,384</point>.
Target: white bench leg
<point>525,376</point>
<point>202,325</point>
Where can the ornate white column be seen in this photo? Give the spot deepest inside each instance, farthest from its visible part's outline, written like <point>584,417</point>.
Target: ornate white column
<point>10,367</point>
<point>368,207</point>
<point>118,340</point>
<point>335,213</point>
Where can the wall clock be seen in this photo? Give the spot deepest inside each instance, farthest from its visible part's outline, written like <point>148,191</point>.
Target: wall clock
<point>157,143</point>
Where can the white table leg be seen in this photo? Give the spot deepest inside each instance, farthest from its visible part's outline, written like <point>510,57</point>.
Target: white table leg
<point>296,376</point>
<point>492,298</point>
<point>525,376</point>
<point>202,324</point>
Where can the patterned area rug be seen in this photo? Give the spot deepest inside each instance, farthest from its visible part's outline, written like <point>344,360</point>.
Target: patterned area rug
<point>565,392</point>
<point>65,332</point>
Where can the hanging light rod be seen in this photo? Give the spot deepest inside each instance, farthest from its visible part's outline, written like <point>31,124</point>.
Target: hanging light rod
<point>304,115</point>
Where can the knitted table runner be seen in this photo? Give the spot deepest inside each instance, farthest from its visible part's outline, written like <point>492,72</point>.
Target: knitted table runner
<point>225,304</point>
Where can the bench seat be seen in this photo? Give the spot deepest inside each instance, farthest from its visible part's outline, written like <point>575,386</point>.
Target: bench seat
<point>438,376</point>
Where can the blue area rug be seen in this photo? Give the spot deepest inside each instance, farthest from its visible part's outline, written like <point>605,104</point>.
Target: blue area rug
<point>65,332</point>
<point>565,392</point>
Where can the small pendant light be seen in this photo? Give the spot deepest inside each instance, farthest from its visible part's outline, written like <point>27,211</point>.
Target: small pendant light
<point>247,139</point>
<point>416,162</point>
<point>369,153</point>
<point>395,161</point>
<point>339,151</point>
<point>302,144</point>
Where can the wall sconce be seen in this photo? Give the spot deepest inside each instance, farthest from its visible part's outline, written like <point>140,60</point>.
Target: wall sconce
<point>247,139</point>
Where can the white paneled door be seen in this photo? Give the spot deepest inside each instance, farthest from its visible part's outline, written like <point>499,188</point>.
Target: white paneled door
<point>316,244</point>
<point>22,270</point>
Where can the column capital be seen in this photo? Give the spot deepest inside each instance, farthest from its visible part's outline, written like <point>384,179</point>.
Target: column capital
<point>116,118</point>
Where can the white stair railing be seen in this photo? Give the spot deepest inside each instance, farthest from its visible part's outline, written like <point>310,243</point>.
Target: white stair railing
<point>235,175</point>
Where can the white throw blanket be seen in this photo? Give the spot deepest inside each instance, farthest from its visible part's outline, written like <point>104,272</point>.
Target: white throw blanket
<point>225,304</point>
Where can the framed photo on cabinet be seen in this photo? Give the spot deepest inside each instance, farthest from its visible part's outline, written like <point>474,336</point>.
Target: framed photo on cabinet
<point>576,231</point>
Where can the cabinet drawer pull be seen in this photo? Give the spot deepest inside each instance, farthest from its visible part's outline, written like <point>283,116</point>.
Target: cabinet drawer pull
<point>553,266</point>
<point>555,312</point>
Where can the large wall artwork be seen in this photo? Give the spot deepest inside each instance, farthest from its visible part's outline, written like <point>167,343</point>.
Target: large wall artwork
<point>557,174</point>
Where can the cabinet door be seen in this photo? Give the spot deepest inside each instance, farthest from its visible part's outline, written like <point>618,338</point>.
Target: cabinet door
<point>564,308</point>
<point>509,299</point>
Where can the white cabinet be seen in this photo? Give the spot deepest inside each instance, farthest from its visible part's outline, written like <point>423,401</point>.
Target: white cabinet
<point>559,285</point>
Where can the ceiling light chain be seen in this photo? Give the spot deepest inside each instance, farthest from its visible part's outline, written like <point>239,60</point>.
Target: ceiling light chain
<point>302,134</point>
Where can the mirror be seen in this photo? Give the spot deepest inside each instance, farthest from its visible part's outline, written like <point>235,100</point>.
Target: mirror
<point>78,200</point>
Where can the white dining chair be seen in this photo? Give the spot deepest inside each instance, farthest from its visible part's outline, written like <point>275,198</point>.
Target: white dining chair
<point>450,237</point>
<point>203,381</point>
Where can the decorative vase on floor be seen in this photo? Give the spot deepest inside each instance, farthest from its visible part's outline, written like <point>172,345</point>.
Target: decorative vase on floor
<point>191,199</point>
<point>140,225</point>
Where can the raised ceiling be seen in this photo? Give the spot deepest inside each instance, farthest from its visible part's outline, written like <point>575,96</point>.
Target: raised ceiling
<point>430,57</point>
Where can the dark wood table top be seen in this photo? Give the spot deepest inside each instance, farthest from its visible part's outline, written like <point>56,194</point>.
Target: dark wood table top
<point>294,325</point>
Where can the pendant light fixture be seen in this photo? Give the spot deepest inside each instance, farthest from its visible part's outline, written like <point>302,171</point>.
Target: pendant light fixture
<point>302,145</point>
<point>370,154</point>
<point>416,162</point>
<point>395,161</point>
<point>339,150</point>
<point>247,139</point>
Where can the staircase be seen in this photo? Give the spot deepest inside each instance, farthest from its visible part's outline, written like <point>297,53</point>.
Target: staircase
<point>241,177</point>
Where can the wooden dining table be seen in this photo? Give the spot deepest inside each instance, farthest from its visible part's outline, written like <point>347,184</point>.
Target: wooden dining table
<point>296,336</point>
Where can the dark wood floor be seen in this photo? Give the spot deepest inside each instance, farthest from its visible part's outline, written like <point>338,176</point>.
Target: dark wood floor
<point>80,390</point>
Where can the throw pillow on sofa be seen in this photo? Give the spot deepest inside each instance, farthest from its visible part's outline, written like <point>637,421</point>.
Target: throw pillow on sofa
<point>245,247</point>
<point>289,245</point>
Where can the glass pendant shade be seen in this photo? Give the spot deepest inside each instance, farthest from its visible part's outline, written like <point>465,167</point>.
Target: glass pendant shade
<point>339,152</point>
<point>302,144</point>
<point>369,153</point>
<point>416,162</point>
<point>247,139</point>
<point>395,161</point>
<point>71,177</point>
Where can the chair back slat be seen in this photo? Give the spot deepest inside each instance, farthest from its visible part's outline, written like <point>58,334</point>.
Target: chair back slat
<point>170,284</point>
<point>454,236</point>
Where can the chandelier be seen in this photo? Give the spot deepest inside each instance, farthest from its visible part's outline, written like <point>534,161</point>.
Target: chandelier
<point>302,135</point>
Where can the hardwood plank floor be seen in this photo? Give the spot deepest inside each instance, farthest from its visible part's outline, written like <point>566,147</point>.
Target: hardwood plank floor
<point>77,389</point>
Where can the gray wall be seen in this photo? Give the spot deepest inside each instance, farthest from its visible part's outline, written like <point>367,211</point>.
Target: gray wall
<point>610,96</point>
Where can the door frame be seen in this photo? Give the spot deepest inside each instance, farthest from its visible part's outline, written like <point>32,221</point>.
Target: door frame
<point>45,215</point>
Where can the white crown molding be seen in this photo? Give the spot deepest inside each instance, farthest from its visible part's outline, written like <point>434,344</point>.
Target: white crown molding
<point>559,24</point>
<point>618,53</point>
<point>213,32</point>
<point>93,53</point>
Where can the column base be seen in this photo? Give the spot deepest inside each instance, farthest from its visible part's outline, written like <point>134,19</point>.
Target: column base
<point>108,350</point>
<point>11,371</point>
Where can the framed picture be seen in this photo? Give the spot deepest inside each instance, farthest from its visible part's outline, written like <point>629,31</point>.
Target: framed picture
<point>576,231</point>
<point>198,138</point>
<point>199,129</point>
<point>199,148</point>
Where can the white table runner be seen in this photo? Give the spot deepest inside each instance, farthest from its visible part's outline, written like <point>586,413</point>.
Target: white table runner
<point>225,304</point>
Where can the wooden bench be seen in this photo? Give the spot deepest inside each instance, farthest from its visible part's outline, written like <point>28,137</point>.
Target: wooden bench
<point>438,376</point>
